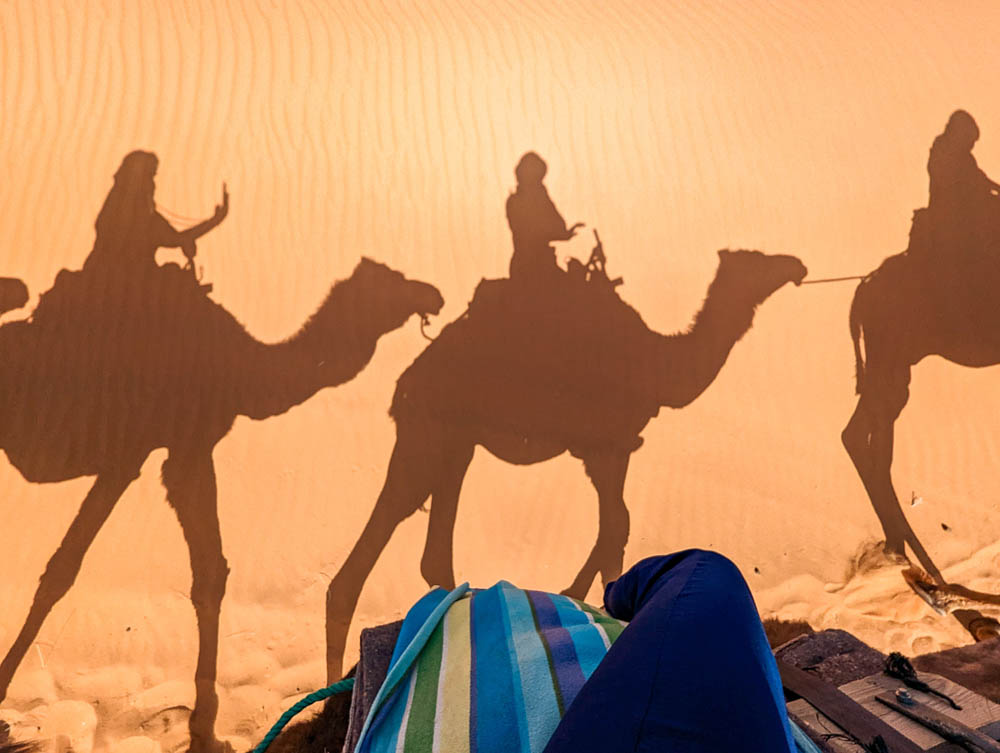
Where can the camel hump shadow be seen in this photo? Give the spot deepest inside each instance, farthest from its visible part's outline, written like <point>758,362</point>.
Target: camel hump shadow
<point>534,368</point>
<point>554,358</point>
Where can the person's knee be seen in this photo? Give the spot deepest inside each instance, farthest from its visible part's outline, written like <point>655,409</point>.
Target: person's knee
<point>719,565</point>
<point>722,592</point>
<point>663,563</point>
<point>711,574</point>
<point>705,561</point>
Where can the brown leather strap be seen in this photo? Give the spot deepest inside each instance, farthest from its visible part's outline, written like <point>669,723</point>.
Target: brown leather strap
<point>847,714</point>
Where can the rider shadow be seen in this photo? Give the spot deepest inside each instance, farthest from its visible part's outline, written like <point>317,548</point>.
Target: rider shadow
<point>540,364</point>
<point>124,357</point>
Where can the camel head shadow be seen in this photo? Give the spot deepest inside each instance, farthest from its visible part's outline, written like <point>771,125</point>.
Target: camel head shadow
<point>13,294</point>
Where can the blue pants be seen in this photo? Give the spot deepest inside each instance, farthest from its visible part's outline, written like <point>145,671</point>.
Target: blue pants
<point>692,672</point>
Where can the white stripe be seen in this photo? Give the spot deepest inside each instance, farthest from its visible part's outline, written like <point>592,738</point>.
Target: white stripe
<point>406,712</point>
<point>600,628</point>
<point>436,746</point>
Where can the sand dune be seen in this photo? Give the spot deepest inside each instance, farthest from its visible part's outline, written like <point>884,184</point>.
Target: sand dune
<point>391,130</point>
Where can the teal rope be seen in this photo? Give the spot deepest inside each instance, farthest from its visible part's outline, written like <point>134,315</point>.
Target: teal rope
<point>338,687</point>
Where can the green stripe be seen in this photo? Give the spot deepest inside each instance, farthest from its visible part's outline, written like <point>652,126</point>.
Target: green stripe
<point>612,627</point>
<point>548,656</point>
<point>420,725</point>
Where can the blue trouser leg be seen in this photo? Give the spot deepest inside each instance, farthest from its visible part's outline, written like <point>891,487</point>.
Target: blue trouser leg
<point>692,672</point>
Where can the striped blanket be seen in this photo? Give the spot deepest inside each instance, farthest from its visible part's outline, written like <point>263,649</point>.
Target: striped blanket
<point>487,671</point>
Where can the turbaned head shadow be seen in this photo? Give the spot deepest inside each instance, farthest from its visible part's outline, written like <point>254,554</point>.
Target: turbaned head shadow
<point>124,357</point>
<point>938,297</point>
<point>543,363</point>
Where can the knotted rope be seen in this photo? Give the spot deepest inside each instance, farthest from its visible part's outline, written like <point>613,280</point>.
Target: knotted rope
<point>425,321</point>
<point>899,666</point>
<point>338,687</point>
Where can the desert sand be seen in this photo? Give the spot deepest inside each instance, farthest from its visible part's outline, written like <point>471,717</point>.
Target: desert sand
<point>391,130</point>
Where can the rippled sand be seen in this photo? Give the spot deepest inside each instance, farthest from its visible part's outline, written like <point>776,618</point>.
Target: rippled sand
<point>391,130</point>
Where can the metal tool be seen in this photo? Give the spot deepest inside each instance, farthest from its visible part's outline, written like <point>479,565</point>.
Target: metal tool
<point>946,726</point>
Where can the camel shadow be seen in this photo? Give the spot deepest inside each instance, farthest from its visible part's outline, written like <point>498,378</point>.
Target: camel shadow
<point>117,362</point>
<point>936,298</point>
<point>535,368</point>
<point>906,310</point>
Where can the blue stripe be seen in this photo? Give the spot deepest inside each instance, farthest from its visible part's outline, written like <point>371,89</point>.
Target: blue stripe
<point>492,678</point>
<point>587,637</point>
<point>386,720</point>
<point>536,680</point>
<point>565,663</point>
<point>474,679</point>
<point>390,719</point>
<point>518,695</point>
<point>415,619</point>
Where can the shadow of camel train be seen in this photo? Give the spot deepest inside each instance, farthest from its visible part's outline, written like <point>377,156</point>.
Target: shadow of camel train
<point>536,368</point>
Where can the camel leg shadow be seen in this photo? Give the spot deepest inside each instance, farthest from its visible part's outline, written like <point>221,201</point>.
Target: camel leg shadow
<point>191,490</point>
<point>414,468</point>
<point>64,565</point>
<point>869,440</point>
<point>437,564</point>
<point>427,463</point>
<point>607,471</point>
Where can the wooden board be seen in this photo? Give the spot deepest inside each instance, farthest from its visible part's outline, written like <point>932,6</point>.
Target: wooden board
<point>977,712</point>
